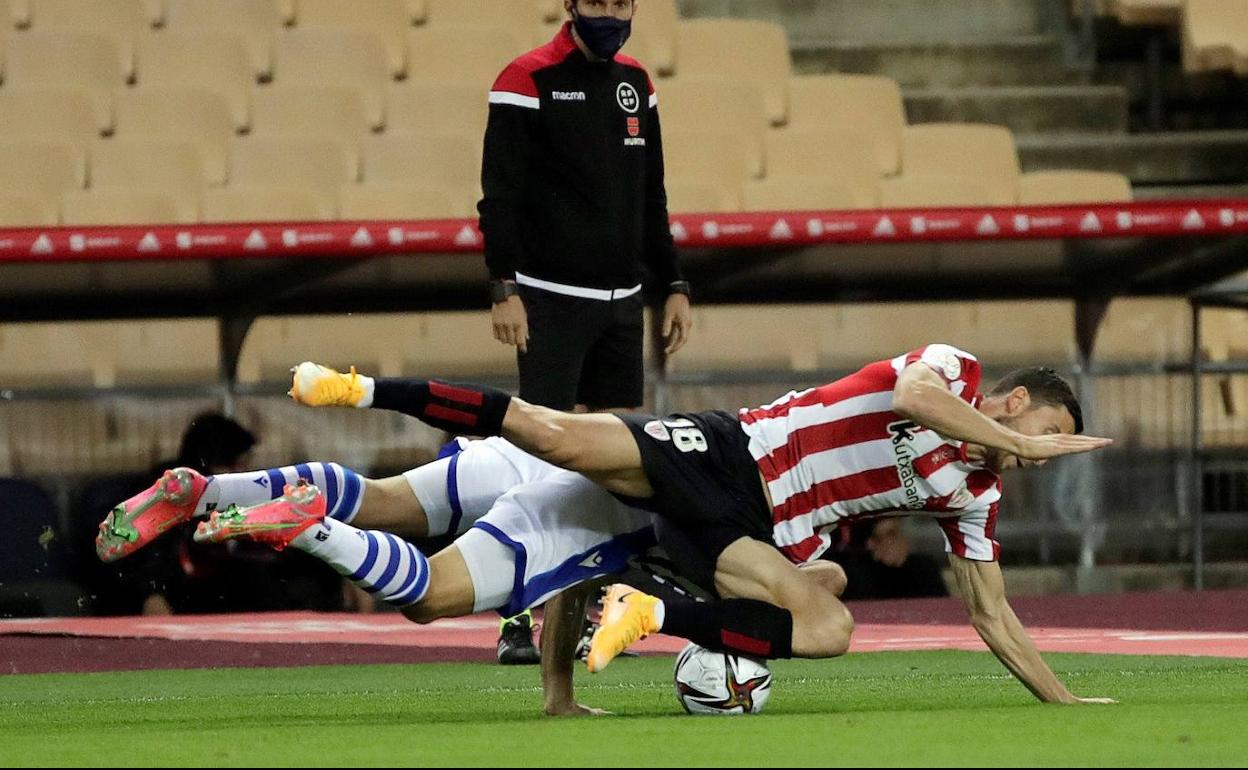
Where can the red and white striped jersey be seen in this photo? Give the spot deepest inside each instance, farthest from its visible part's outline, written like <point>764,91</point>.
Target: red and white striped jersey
<point>838,452</point>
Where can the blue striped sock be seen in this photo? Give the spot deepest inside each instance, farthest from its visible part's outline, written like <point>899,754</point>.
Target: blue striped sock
<point>343,488</point>
<point>378,562</point>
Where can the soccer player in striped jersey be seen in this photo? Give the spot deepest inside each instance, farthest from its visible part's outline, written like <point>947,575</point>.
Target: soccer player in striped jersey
<point>744,499</point>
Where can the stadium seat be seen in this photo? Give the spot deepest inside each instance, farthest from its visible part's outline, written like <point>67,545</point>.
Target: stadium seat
<point>865,104</point>
<point>552,10</point>
<point>510,14</point>
<point>695,196</point>
<point>1215,36</point>
<point>388,19</point>
<point>654,38</point>
<point>68,60</point>
<point>322,165</point>
<point>105,206</point>
<point>1148,12</point>
<point>254,21</point>
<point>123,20</point>
<point>266,203</point>
<point>331,112</point>
<point>693,104</point>
<point>17,210</point>
<point>184,115</point>
<point>934,190</point>
<point>335,57</point>
<point>799,193</point>
<point>1145,330</point>
<point>214,61</point>
<point>434,108</point>
<point>42,171</point>
<point>60,113</point>
<point>981,152</point>
<point>15,13</point>
<point>429,158</point>
<point>741,51</point>
<point>157,165</point>
<point>472,56</point>
<point>713,157</point>
<point>835,156</point>
<point>741,338</point>
<point>1040,188</point>
<point>406,200</point>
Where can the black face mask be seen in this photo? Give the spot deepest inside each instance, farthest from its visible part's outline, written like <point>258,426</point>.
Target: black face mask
<point>604,36</point>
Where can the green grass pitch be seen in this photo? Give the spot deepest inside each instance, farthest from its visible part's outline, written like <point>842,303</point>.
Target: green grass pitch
<point>926,708</point>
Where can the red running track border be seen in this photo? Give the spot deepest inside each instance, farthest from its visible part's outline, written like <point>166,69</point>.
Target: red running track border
<point>1210,218</point>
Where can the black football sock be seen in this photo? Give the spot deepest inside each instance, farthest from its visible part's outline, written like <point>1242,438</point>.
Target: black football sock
<point>738,626</point>
<point>472,409</point>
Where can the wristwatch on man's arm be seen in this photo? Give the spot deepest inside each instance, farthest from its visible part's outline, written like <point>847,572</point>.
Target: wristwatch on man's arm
<point>501,290</point>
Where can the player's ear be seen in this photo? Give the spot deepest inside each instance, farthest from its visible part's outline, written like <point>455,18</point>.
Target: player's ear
<point>1017,401</point>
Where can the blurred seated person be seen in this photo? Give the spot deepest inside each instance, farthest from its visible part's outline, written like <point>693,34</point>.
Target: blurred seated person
<point>177,575</point>
<point>879,563</point>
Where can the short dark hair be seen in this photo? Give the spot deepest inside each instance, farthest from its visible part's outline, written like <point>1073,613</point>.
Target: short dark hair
<point>1047,388</point>
<point>214,440</point>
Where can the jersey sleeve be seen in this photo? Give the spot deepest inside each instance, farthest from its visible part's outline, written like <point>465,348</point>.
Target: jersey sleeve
<point>971,534</point>
<point>960,370</point>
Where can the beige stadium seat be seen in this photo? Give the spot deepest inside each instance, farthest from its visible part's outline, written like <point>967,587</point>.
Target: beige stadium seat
<point>124,20</point>
<point>867,104</point>
<point>779,193</point>
<point>266,203</point>
<point>63,114</point>
<point>714,157</point>
<point>43,171</point>
<point>215,61</point>
<point>68,60</point>
<point>933,191</point>
<point>462,55</point>
<point>434,108</point>
<point>1148,12</point>
<point>332,112</point>
<point>981,152</point>
<point>104,206</point>
<point>26,211</point>
<point>16,10</point>
<point>742,338</point>
<point>835,156</point>
<point>426,158</point>
<point>1145,330</point>
<point>170,167</point>
<point>335,57</point>
<point>654,38</point>
<point>742,51</point>
<point>1215,35</point>
<point>388,19</point>
<point>693,104</point>
<point>512,14</point>
<point>286,10</point>
<point>165,352</point>
<point>406,200</point>
<point>1040,188</point>
<point>301,162</point>
<point>701,196</point>
<point>255,21</point>
<point>552,10</point>
<point>183,115</point>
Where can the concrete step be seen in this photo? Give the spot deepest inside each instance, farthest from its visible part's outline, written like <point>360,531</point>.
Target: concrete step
<point>914,20</point>
<point>1197,157</point>
<point>1195,191</point>
<point>1014,61</point>
<point>1025,109</point>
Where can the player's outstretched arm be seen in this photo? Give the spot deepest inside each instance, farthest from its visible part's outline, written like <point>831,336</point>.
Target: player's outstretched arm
<point>921,395</point>
<point>983,591</point>
<point>561,629</point>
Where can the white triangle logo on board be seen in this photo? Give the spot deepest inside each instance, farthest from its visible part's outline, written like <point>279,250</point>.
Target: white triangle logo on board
<point>679,233</point>
<point>884,229</point>
<point>467,237</point>
<point>1091,223</point>
<point>42,245</point>
<point>255,241</point>
<point>1193,221</point>
<point>150,243</point>
<point>362,239</point>
<point>781,231</point>
<point>988,226</point>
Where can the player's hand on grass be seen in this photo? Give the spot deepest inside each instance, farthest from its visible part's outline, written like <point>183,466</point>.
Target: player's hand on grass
<point>511,323</point>
<point>1050,445</point>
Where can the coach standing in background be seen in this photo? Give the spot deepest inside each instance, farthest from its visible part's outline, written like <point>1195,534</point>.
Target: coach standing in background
<point>575,213</point>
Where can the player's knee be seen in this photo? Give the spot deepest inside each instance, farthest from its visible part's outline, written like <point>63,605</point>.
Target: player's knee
<point>422,612</point>
<point>826,628</point>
